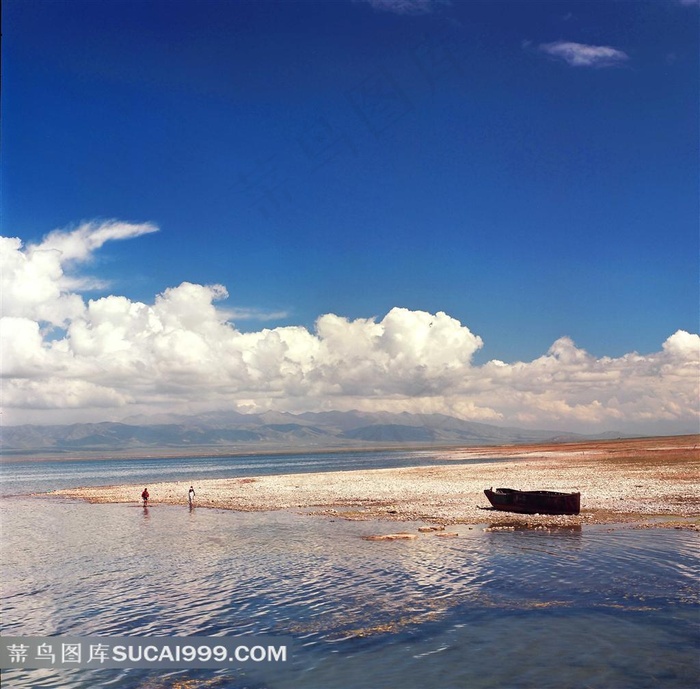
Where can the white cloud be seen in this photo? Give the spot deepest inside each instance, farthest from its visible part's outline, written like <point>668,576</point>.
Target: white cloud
<point>403,6</point>
<point>113,357</point>
<point>79,244</point>
<point>582,55</point>
<point>36,282</point>
<point>251,314</point>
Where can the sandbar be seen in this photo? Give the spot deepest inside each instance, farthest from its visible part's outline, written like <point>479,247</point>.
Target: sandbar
<point>647,481</point>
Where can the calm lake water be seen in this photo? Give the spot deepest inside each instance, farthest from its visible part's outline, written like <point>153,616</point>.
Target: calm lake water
<point>19,477</point>
<point>599,607</point>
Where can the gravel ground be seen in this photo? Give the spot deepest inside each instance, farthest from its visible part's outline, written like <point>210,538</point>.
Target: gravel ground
<point>650,481</point>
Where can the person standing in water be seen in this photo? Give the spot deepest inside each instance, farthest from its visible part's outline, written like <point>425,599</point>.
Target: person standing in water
<point>144,497</point>
<point>190,495</point>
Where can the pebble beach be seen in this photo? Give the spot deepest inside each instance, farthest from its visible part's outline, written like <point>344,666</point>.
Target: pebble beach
<point>648,481</point>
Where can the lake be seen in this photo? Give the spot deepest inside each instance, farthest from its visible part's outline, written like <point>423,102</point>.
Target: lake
<point>606,607</point>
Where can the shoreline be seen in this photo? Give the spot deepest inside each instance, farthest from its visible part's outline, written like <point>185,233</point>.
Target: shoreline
<point>195,452</point>
<point>633,481</point>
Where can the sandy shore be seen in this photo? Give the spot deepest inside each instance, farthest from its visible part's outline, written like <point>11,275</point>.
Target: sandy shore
<point>638,480</point>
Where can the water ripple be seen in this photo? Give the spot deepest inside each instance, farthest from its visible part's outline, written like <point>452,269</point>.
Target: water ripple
<point>109,570</point>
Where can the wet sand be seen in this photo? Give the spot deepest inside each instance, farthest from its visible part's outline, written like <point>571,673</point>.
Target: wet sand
<point>649,481</point>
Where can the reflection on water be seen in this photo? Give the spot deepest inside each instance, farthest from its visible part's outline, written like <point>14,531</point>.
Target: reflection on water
<point>492,608</point>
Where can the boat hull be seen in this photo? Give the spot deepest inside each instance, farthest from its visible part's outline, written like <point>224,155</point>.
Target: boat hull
<point>534,501</point>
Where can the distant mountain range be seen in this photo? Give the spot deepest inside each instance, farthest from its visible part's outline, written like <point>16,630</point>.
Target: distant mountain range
<point>223,432</point>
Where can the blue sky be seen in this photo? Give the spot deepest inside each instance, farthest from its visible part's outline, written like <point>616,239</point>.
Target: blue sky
<point>528,168</point>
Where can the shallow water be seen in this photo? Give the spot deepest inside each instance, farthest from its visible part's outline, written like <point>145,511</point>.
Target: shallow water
<point>595,607</point>
<point>21,477</point>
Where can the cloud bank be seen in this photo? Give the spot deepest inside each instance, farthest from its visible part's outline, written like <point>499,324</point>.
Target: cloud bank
<point>581,55</point>
<point>65,359</point>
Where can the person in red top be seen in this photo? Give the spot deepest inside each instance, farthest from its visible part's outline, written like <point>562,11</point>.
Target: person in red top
<point>145,497</point>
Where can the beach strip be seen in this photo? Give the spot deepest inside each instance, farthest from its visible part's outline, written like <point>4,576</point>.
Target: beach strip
<point>648,480</point>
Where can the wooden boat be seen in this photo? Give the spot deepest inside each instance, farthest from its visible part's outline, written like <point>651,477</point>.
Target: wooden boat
<point>534,501</point>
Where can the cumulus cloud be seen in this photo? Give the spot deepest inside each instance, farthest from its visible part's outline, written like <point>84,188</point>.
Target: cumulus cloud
<point>37,282</point>
<point>112,356</point>
<point>569,385</point>
<point>582,55</point>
